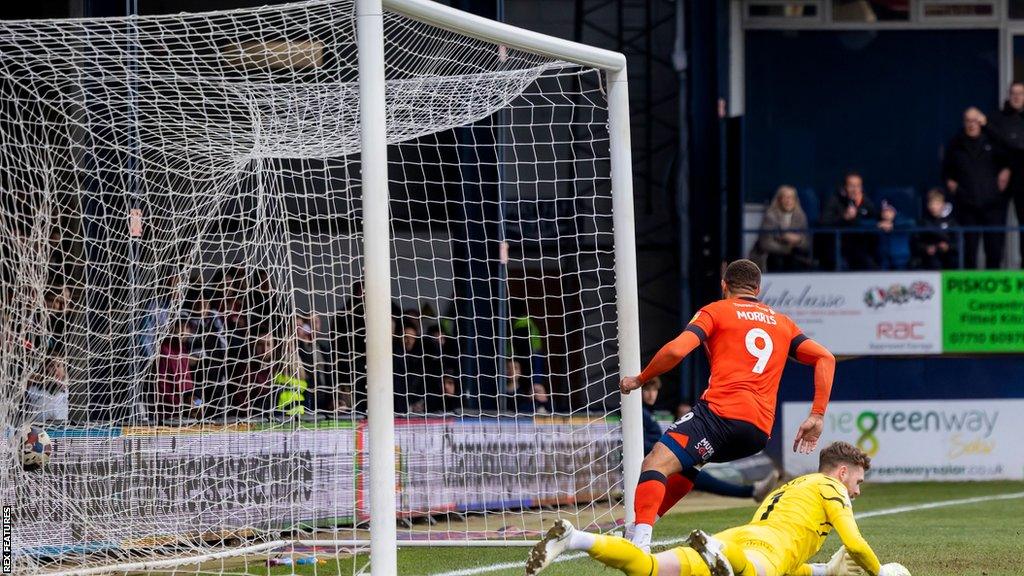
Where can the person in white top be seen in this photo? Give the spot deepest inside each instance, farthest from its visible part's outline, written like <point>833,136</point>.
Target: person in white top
<point>46,397</point>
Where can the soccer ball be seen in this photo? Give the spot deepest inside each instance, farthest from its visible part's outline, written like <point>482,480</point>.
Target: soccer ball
<point>894,569</point>
<point>35,447</point>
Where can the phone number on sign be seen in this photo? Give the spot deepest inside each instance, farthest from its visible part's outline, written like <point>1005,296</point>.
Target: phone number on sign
<point>986,338</point>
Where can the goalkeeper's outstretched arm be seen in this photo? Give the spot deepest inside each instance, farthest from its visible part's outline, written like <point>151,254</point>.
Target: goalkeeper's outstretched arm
<point>840,564</point>
<point>858,548</point>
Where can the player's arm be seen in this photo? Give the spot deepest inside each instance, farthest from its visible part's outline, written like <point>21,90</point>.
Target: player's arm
<point>840,514</point>
<point>807,351</point>
<point>840,564</point>
<point>672,353</point>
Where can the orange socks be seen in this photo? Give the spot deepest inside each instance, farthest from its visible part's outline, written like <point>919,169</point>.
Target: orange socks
<point>650,493</point>
<point>676,487</point>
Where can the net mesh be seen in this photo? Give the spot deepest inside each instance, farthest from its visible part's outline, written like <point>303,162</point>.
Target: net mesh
<point>182,300</point>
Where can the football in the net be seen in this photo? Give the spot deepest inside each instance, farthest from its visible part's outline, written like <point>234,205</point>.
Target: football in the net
<point>36,447</point>
<point>894,569</point>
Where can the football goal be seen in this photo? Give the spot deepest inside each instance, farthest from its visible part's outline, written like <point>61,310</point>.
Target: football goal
<point>310,282</point>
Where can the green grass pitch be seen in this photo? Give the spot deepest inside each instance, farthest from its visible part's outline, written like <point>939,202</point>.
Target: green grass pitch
<point>973,539</point>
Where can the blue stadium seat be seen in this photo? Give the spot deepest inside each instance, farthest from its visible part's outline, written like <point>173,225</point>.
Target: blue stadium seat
<point>903,198</point>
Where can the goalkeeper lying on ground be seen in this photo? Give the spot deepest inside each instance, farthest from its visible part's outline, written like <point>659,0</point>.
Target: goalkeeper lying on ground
<point>786,531</point>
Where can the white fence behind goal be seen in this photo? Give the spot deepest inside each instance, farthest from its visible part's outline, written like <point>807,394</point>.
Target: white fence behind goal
<point>191,258</point>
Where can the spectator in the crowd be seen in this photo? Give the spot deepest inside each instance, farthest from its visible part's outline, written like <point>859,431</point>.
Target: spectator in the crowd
<point>314,354</point>
<point>412,316</point>
<point>259,296</point>
<point>527,342</point>
<point>432,343</point>
<point>783,244</point>
<point>852,209</point>
<point>452,394</point>
<point>894,241</point>
<point>46,398</point>
<point>435,365</point>
<point>444,333</point>
<point>541,399</point>
<point>232,302</point>
<point>210,346</point>
<point>254,397</point>
<point>652,430</point>
<point>530,398</point>
<point>57,300</point>
<point>446,322</point>
<point>976,175</point>
<point>408,370</point>
<point>513,382</point>
<point>682,409</point>
<point>518,393</point>
<point>350,351</point>
<point>936,247</point>
<point>234,280</point>
<point>1007,128</point>
<point>240,348</point>
<point>448,398</point>
<point>427,317</point>
<point>175,394</point>
<point>291,392</point>
<point>157,317</point>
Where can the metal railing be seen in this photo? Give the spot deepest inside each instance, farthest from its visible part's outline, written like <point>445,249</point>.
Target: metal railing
<point>836,235</point>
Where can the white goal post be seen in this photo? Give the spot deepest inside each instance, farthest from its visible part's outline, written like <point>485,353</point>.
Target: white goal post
<point>384,542</point>
<point>187,193</point>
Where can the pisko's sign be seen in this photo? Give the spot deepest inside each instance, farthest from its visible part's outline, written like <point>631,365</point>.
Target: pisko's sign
<point>906,313</point>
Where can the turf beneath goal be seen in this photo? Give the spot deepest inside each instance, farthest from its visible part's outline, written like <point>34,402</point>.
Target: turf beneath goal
<point>984,538</point>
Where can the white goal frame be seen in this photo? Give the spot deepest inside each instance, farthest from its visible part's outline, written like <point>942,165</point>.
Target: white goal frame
<point>377,274</point>
<point>370,32</point>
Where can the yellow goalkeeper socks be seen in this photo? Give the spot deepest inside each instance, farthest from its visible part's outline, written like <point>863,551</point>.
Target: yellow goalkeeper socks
<point>622,554</point>
<point>690,563</point>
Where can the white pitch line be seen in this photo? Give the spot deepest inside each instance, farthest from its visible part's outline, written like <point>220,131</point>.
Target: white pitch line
<point>940,504</point>
<point>861,516</point>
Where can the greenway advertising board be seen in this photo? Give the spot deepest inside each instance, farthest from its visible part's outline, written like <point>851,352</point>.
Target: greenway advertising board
<point>862,313</point>
<point>919,440</point>
<point>983,311</point>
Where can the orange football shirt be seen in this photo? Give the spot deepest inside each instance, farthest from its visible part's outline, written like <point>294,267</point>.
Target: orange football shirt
<point>747,343</point>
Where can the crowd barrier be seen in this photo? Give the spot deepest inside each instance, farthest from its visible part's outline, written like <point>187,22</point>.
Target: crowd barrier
<point>123,487</point>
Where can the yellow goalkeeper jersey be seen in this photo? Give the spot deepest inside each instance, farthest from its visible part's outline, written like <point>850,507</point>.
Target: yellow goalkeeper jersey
<point>791,524</point>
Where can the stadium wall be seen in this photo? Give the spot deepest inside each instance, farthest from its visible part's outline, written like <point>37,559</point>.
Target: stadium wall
<point>884,102</point>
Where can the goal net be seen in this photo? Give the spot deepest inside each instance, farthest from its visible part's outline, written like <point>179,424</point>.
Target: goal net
<point>181,259</point>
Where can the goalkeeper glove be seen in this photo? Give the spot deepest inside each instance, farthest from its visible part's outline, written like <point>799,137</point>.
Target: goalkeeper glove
<point>840,564</point>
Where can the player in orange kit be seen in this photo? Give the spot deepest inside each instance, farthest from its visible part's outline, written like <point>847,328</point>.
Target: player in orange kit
<point>747,343</point>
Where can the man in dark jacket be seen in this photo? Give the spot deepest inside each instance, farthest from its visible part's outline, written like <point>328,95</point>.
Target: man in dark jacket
<point>976,174</point>
<point>652,430</point>
<point>852,209</point>
<point>1007,128</point>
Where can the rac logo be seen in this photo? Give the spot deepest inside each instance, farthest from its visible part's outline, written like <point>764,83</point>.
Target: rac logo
<point>899,331</point>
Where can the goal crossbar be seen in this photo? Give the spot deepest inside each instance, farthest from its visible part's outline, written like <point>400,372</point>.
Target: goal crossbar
<point>481,28</point>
